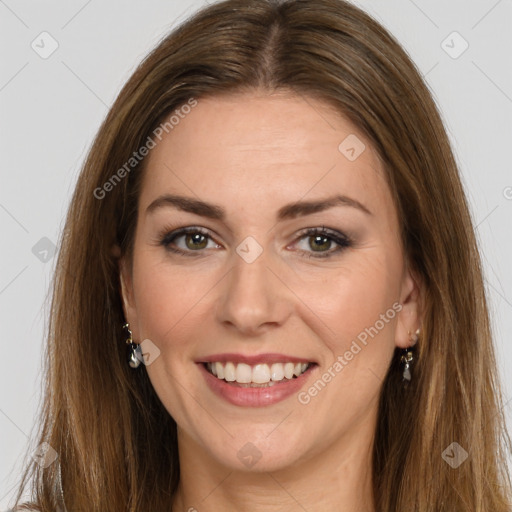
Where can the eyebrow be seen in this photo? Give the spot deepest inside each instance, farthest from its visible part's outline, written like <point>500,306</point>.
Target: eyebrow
<point>290,211</point>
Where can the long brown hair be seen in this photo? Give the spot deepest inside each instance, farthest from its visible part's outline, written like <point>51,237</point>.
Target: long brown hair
<point>116,443</point>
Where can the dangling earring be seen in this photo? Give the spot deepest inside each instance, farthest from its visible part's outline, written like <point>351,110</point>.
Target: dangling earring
<point>407,359</point>
<point>134,349</point>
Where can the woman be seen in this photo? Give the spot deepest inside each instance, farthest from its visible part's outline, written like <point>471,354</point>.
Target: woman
<point>272,221</point>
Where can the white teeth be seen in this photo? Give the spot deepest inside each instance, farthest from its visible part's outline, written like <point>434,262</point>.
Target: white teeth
<point>257,374</point>
<point>261,374</point>
<point>243,373</point>
<point>288,370</point>
<point>218,370</point>
<point>277,372</point>
<point>229,372</point>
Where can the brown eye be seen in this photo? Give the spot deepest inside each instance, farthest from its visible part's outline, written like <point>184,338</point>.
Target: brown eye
<point>319,243</point>
<point>196,241</point>
<point>188,240</point>
<point>322,242</point>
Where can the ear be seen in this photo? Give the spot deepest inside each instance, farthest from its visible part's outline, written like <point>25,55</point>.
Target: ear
<point>409,318</point>
<point>127,295</point>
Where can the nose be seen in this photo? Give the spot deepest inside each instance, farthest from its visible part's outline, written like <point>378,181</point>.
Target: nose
<point>254,297</point>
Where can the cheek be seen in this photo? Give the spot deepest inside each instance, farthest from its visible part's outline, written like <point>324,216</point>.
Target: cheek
<point>173,304</point>
<point>171,313</point>
<point>163,297</point>
<point>359,305</point>
<point>361,341</point>
<point>355,296</point>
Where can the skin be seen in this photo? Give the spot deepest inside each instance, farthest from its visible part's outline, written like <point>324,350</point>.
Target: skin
<point>251,154</point>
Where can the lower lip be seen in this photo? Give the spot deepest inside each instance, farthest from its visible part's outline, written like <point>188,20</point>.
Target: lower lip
<point>255,397</point>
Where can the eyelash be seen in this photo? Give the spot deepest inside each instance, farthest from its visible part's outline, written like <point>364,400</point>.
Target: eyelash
<point>342,240</point>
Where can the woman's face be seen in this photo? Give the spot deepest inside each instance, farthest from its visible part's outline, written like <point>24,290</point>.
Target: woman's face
<point>248,176</point>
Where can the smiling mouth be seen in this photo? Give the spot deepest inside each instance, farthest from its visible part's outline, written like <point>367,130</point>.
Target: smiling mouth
<point>258,375</point>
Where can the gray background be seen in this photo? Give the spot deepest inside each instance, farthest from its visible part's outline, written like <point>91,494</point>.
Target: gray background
<point>51,108</point>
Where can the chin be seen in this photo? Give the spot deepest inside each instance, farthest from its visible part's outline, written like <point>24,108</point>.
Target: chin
<point>259,450</point>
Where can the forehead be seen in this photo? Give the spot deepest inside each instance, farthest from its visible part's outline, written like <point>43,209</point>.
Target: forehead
<point>259,149</point>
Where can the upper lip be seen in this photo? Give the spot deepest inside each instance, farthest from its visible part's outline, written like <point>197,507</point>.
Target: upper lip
<point>252,360</point>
